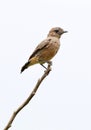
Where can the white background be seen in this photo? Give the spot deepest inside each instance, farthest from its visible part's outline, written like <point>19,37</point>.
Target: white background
<point>63,101</point>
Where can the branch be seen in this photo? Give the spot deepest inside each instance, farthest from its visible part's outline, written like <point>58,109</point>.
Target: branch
<point>46,72</point>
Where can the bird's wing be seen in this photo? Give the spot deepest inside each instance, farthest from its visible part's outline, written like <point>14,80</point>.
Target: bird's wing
<point>42,45</point>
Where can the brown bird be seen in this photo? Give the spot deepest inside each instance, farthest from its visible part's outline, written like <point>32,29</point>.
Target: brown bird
<point>46,50</point>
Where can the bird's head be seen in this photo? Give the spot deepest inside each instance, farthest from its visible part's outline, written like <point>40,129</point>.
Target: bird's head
<point>56,32</point>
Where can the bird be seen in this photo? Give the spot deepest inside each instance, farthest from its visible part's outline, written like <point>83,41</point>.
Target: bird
<point>46,50</point>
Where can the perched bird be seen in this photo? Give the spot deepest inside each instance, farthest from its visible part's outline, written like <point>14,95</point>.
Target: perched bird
<point>46,50</point>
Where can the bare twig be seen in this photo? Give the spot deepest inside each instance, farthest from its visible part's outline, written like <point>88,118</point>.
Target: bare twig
<point>46,72</point>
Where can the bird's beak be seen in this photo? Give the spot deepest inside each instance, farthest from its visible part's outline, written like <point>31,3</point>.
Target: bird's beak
<point>65,31</point>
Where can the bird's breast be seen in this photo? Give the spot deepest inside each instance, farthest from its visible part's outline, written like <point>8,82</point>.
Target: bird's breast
<point>50,51</point>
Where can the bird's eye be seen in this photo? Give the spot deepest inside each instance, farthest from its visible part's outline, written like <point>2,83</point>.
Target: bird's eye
<point>56,31</point>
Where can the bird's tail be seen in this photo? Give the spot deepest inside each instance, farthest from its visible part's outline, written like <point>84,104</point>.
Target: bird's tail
<point>25,66</point>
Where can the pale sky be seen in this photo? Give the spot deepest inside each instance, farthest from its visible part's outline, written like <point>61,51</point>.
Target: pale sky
<point>63,101</point>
